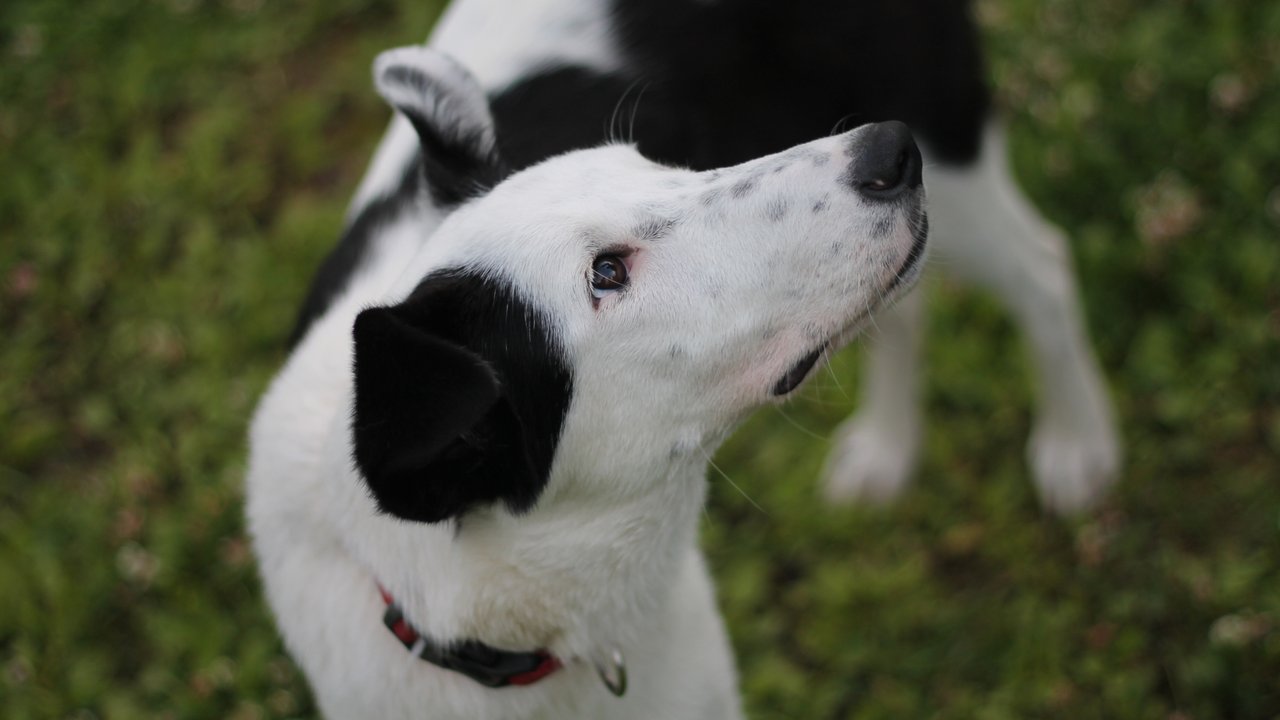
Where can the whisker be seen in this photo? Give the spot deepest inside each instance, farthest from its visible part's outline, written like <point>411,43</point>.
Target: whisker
<point>826,357</point>
<point>724,475</point>
<point>798,426</point>
<point>871,312</point>
<point>836,129</point>
<point>612,130</point>
<point>635,108</point>
<point>819,402</point>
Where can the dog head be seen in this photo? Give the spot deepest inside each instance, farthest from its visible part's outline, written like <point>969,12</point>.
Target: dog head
<point>598,317</point>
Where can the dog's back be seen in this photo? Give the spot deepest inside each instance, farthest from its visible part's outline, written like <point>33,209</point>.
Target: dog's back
<point>710,84</point>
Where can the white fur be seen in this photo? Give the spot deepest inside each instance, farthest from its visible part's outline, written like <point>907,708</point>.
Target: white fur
<point>716,311</point>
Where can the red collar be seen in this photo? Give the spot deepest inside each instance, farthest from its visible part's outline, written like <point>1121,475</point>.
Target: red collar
<point>484,664</point>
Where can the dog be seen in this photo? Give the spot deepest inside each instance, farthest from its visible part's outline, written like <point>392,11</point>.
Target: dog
<point>709,83</point>
<point>492,434</point>
<point>492,438</point>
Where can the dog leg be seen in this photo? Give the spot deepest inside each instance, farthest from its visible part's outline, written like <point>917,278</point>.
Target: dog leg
<point>990,232</point>
<point>874,452</point>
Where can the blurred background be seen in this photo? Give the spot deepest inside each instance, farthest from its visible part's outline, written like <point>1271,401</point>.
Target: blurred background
<point>173,171</point>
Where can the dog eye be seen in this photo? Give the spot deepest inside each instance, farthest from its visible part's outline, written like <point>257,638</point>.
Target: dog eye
<point>608,274</point>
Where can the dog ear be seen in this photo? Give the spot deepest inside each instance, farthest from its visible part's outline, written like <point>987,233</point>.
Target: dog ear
<point>451,115</point>
<point>436,430</point>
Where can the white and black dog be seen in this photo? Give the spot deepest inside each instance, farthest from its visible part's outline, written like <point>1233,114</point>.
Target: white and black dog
<point>509,375</point>
<point>494,430</point>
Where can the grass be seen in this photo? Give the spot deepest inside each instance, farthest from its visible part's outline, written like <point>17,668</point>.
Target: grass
<point>175,169</point>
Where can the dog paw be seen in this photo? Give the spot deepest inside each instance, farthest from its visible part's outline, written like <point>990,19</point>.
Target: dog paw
<point>868,463</point>
<point>1072,469</point>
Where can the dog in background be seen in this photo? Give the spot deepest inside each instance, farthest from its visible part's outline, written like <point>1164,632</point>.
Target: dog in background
<point>709,83</point>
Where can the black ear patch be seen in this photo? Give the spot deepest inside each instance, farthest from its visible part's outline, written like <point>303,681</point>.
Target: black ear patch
<point>460,395</point>
<point>450,114</point>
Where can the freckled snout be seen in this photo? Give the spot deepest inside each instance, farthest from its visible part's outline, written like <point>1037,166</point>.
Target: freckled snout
<point>886,161</point>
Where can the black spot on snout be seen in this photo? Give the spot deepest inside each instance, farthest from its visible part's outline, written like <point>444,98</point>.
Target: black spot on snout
<point>883,226</point>
<point>820,205</point>
<point>653,228</point>
<point>743,187</point>
<point>776,209</point>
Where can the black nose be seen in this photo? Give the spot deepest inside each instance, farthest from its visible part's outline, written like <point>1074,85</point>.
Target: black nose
<point>886,162</point>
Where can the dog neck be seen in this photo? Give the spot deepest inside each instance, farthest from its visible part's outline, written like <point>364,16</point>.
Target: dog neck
<point>589,569</point>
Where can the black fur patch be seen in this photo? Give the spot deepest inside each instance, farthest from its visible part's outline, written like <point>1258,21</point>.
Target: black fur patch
<point>709,85</point>
<point>461,392</point>
<point>753,77</point>
<point>567,108</point>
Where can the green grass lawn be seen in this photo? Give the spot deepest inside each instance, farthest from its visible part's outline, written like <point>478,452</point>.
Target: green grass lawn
<point>173,170</point>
